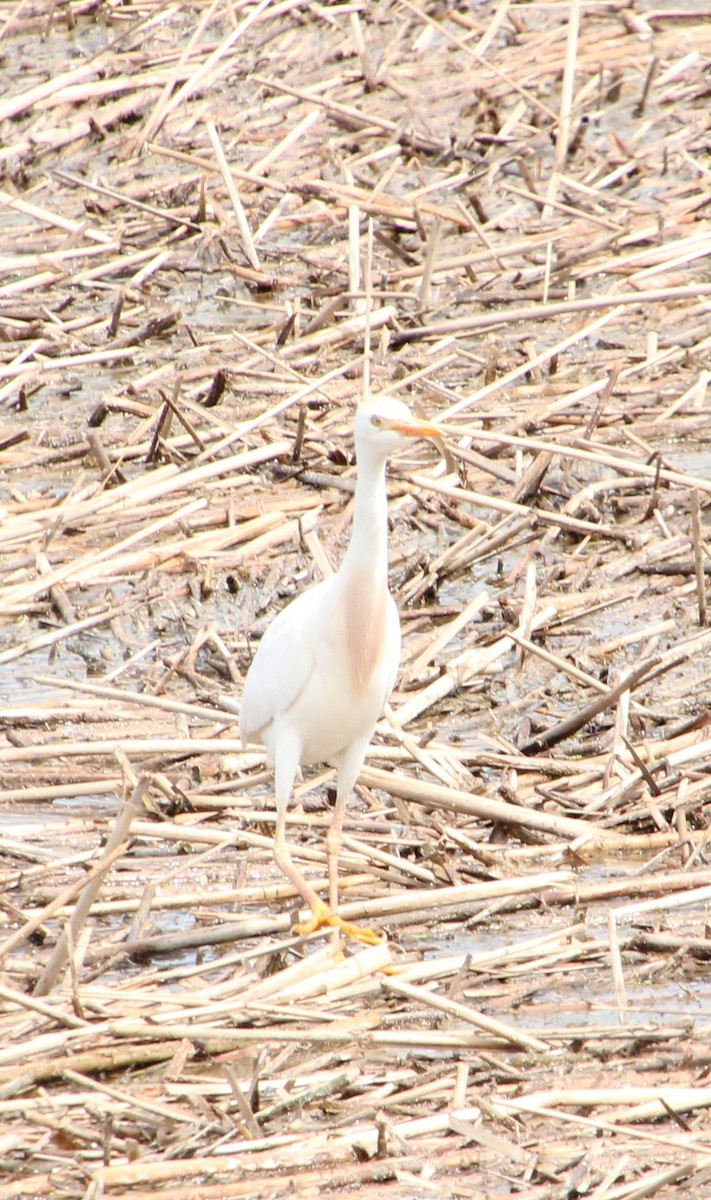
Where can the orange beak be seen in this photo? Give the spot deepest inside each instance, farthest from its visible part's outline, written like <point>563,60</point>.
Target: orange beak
<point>417,429</point>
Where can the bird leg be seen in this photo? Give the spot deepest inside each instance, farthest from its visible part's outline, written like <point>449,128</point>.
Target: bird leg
<point>283,859</point>
<point>286,764</point>
<point>333,843</point>
<point>321,913</point>
<point>347,775</point>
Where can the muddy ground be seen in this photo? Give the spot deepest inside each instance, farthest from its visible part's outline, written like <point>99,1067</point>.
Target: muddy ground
<point>221,223</point>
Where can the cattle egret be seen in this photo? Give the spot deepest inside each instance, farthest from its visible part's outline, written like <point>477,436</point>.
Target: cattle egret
<point>327,663</point>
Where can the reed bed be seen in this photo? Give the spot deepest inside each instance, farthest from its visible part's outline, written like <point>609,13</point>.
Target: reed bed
<point>222,222</point>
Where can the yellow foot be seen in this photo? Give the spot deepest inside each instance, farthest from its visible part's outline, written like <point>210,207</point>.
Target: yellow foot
<point>323,915</point>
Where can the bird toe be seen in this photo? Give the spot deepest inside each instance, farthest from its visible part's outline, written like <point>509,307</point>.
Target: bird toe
<point>323,916</point>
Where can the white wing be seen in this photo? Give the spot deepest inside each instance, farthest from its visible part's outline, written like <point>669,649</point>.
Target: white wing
<point>282,665</point>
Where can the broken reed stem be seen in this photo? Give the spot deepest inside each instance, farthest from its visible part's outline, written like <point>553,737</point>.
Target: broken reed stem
<point>66,896</point>
<point>617,970</point>
<point>229,181</point>
<point>463,1012</point>
<point>566,103</point>
<point>129,811</point>
<point>696,535</point>
<point>648,81</point>
<point>553,308</point>
<point>437,796</point>
<point>585,714</point>
<point>368,293</point>
<point>531,364</point>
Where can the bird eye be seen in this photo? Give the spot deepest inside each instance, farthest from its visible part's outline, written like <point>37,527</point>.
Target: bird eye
<point>376,421</point>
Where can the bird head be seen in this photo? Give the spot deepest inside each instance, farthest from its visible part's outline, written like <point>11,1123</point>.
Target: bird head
<point>384,424</point>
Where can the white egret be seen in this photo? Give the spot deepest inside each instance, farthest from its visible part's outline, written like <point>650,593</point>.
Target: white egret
<point>327,663</point>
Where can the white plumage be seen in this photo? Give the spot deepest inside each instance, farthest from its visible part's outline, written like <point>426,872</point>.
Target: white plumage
<point>327,663</point>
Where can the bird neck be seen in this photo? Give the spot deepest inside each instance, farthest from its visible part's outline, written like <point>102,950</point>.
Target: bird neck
<point>368,546</point>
